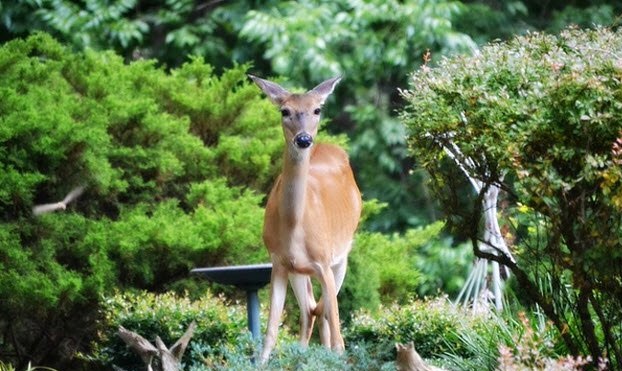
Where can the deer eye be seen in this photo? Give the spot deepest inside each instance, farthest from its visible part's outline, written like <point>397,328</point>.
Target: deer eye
<point>285,112</point>
<point>317,111</point>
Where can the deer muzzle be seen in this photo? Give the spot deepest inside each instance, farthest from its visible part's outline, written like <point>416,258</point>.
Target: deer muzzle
<point>303,140</point>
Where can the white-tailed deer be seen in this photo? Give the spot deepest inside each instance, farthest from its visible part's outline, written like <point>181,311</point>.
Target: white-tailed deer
<point>312,213</point>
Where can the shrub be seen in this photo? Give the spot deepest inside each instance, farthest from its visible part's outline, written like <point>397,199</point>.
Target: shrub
<point>220,341</point>
<point>175,166</point>
<point>288,356</point>
<point>432,325</point>
<point>384,269</point>
<point>540,117</point>
<point>514,341</point>
<point>167,316</point>
<point>532,349</point>
<point>481,349</point>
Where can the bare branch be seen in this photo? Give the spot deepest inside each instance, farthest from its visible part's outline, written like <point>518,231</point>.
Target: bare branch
<point>180,345</point>
<point>139,344</point>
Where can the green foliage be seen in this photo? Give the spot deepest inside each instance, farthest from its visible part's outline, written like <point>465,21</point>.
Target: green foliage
<point>385,269</point>
<point>500,19</point>
<point>9,367</point>
<point>240,355</point>
<point>175,167</point>
<point>504,338</point>
<point>167,30</point>
<point>485,21</point>
<point>434,326</point>
<point>394,259</point>
<point>595,14</point>
<point>374,43</point>
<point>329,30</point>
<point>167,316</point>
<point>540,116</point>
<point>433,260</point>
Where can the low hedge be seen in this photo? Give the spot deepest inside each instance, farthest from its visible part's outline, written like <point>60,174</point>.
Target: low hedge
<point>222,342</point>
<point>168,316</point>
<point>433,325</point>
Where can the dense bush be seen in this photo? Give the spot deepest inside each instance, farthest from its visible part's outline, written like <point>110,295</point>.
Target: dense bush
<point>540,117</point>
<point>167,315</point>
<point>400,267</point>
<point>163,157</point>
<point>433,325</point>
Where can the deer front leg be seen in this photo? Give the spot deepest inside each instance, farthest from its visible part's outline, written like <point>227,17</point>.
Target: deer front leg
<point>278,289</point>
<point>301,285</point>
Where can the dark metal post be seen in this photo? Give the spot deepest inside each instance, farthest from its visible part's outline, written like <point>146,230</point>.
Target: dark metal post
<point>249,278</point>
<point>252,312</point>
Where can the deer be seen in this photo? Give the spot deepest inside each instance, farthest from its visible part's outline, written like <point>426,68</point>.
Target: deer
<point>311,215</point>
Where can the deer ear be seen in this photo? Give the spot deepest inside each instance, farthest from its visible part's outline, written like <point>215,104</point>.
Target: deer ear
<point>273,90</point>
<point>326,88</point>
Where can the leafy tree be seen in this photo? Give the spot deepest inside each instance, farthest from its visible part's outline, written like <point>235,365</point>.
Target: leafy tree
<point>540,117</point>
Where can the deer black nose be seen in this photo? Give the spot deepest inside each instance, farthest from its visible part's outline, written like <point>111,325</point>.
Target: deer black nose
<point>303,140</point>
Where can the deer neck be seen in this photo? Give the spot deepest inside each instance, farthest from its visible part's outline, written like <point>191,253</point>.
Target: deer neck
<point>294,182</point>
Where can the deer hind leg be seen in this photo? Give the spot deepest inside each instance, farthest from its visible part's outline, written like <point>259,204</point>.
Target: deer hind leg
<point>339,272</point>
<point>301,285</point>
<point>278,289</point>
<point>329,309</point>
